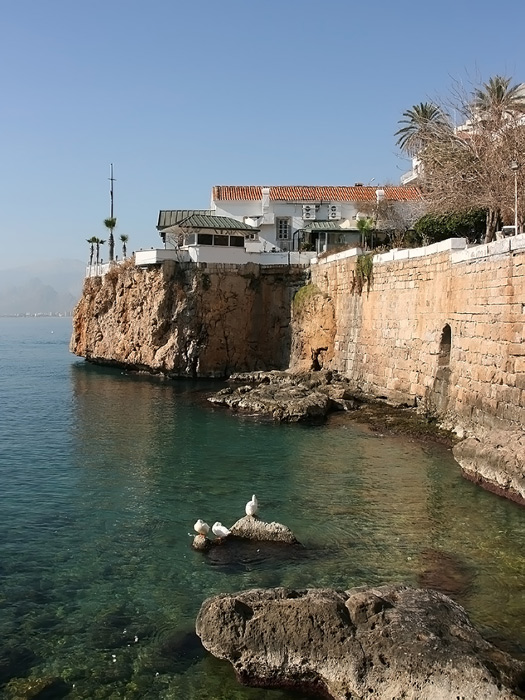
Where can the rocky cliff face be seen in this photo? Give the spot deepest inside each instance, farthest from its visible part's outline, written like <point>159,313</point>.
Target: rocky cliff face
<point>183,320</point>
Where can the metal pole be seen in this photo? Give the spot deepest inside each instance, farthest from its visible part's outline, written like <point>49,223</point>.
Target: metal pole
<point>515,167</point>
<point>515,202</point>
<point>112,179</point>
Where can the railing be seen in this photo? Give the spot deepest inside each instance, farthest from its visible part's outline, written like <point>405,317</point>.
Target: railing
<point>98,269</point>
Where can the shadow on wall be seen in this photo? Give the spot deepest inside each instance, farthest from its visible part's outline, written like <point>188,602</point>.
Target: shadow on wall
<point>438,396</point>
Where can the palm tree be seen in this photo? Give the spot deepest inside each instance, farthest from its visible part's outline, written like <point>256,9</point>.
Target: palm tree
<point>497,100</point>
<point>365,226</point>
<point>498,107</point>
<point>98,243</point>
<point>92,242</point>
<point>110,224</point>
<point>423,122</point>
<point>124,238</point>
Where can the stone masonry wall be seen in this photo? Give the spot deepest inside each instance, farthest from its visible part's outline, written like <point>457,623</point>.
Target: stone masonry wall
<point>440,328</point>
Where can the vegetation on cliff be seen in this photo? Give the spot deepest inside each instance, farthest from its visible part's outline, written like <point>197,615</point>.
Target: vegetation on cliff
<point>304,295</point>
<point>362,273</point>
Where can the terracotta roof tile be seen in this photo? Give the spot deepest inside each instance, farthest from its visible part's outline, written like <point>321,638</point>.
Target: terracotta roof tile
<point>314,193</point>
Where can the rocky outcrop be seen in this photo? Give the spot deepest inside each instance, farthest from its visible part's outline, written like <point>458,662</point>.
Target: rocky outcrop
<point>288,397</point>
<point>385,643</point>
<point>496,462</point>
<point>314,329</point>
<point>183,319</point>
<point>251,528</point>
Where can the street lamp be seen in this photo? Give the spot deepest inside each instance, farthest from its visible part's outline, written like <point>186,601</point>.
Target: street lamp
<point>515,166</point>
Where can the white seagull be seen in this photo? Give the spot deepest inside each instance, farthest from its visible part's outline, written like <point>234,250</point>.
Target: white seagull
<point>252,506</point>
<point>201,528</point>
<point>220,531</point>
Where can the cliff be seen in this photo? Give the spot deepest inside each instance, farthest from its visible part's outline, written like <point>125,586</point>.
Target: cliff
<point>184,320</point>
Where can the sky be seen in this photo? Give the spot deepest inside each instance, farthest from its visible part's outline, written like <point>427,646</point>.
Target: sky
<point>181,96</point>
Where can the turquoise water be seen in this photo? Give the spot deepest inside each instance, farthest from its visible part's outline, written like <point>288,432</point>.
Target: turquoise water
<point>102,475</point>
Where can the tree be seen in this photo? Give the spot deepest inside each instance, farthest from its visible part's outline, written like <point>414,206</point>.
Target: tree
<point>365,226</point>
<point>124,239</point>
<point>92,242</point>
<point>469,166</point>
<point>423,123</point>
<point>98,242</point>
<point>431,228</point>
<point>110,225</point>
<point>497,101</point>
<point>393,219</point>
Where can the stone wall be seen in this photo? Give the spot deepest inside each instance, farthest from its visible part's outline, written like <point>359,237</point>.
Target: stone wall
<point>441,328</point>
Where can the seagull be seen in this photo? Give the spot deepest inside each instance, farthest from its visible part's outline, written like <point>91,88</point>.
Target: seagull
<point>220,531</point>
<point>252,506</point>
<point>201,528</point>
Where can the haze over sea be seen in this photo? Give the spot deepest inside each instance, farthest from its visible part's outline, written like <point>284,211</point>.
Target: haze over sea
<point>103,473</point>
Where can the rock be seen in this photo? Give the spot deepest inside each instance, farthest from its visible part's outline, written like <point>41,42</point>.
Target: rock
<point>182,319</point>
<point>252,528</point>
<point>288,397</point>
<point>496,462</point>
<point>201,543</point>
<point>43,688</point>
<point>444,572</point>
<point>385,643</point>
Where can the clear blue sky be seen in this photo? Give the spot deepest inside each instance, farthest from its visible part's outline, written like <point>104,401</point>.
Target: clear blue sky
<point>184,95</point>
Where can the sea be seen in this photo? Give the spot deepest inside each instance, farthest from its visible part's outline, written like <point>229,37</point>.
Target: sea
<point>104,472</point>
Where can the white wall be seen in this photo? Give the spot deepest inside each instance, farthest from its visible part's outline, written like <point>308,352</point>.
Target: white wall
<point>268,232</point>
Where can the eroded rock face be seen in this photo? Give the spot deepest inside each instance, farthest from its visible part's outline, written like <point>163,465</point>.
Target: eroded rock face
<point>181,319</point>
<point>288,397</point>
<point>385,643</point>
<point>496,462</point>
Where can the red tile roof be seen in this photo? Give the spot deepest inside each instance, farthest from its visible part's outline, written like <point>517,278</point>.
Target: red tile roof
<point>314,193</point>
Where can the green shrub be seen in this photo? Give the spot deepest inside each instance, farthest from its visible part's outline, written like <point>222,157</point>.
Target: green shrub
<point>304,294</point>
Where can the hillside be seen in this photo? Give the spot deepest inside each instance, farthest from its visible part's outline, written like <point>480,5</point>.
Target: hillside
<point>51,286</point>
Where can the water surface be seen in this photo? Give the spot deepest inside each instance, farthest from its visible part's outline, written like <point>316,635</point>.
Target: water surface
<point>102,475</point>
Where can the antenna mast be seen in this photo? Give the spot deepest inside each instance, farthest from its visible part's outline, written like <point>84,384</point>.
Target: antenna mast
<point>112,180</point>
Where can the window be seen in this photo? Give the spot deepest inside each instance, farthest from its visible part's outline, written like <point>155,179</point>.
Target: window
<point>237,241</point>
<point>205,239</point>
<point>284,228</point>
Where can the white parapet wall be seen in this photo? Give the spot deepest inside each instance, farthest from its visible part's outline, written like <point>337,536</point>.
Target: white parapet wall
<point>459,250</point>
<point>220,255</point>
<point>501,247</point>
<point>98,269</point>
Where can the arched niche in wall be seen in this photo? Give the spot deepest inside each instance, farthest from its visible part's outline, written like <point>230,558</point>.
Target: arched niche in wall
<point>445,345</point>
<point>438,395</point>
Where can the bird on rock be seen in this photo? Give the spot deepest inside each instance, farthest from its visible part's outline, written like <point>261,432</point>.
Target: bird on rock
<point>220,531</point>
<point>252,506</point>
<point>201,528</point>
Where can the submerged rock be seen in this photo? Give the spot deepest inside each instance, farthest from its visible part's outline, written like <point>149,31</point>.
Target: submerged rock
<point>385,643</point>
<point>43,688</point>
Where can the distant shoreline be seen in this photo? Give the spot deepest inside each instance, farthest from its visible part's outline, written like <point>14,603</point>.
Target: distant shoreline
<point>57,314</point>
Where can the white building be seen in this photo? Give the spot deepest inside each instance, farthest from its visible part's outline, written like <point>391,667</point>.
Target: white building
<point>278,219</point>
<point>290,217</point>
